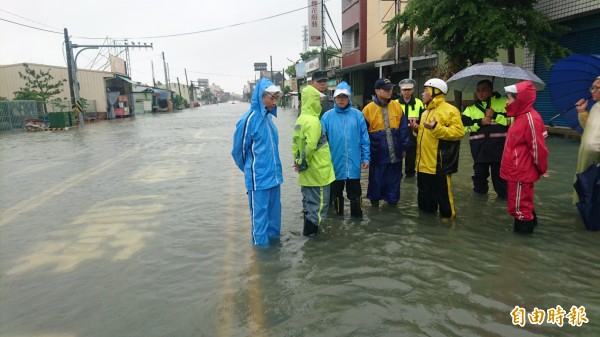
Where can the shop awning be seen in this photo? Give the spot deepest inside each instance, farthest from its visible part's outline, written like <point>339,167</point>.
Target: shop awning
<point>126,79</point>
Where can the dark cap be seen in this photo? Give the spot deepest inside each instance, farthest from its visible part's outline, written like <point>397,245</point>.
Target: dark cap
<point>319,76</point>
<point>383,83</point>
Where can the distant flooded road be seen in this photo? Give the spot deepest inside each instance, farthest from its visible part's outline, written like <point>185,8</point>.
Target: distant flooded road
<point>140,227</point>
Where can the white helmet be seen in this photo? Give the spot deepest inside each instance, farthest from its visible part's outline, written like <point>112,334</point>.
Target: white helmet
<point>437,83</point>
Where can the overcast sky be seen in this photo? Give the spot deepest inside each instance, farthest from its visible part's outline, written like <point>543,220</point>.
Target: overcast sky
<point>225,56</point>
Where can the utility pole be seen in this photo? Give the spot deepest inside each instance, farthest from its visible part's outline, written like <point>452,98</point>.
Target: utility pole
<point>153,79</point>
<point>322,35</point>
<point>72,69</point>
<point>73,84</point>
<point>189,88</point>
<point>168,76</point>
<point>397,44</point>
<point>165,66</point>
<point>179,86</point>
<point>271,62</point>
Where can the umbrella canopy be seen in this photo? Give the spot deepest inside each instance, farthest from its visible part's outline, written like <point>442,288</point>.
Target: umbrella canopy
<point>570,80</point>
<point>501,75</point>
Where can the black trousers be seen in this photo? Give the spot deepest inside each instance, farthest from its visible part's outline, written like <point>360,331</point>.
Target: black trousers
<point>481,172</point>
<point>434,193</point>
<point>353,189</point>
<point>409,160</point>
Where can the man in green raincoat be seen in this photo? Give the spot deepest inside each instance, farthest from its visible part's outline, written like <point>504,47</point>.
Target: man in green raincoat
<point>312,160</point>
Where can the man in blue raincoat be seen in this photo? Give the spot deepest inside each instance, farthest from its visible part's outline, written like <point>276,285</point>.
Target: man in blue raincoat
<point>348,138</point>
<point>256,152</point>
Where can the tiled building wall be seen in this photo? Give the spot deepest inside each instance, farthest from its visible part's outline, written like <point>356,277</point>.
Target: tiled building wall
<point>559,10</point>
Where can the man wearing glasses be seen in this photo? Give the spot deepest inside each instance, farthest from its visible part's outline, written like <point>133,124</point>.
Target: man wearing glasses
<point>589,150</point>
<point>319,82</point>
<point>256,152</point>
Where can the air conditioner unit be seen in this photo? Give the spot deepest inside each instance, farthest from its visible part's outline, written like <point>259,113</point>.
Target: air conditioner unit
<point>335,62</point>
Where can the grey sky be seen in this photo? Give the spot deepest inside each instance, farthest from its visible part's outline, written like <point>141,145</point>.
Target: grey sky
<point>224,56</point>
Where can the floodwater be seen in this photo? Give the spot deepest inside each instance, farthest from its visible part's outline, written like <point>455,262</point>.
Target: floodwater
<point>140,227</point>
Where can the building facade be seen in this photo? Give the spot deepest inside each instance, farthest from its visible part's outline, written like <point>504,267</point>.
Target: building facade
<point>94,84</point>
<point>368,53</point>
<point>582,17</point>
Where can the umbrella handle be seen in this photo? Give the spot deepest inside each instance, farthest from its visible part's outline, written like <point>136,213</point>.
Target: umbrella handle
<point>550,122</point>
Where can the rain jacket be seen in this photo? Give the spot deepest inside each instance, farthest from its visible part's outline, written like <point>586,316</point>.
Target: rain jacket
<point>255,144</point>
<point>309,147</point>
<point>487,141</point>
<point>525,155</point>
<point>589,150</point>
<point>413,109</point>
<point>438,148</point>
<point>346,132</point>
<point>386,148</point>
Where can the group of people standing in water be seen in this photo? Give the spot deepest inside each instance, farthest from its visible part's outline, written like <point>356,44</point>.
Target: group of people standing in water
<point>506,135</point>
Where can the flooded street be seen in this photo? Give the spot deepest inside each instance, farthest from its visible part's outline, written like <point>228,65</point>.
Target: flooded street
<point>140,227</point>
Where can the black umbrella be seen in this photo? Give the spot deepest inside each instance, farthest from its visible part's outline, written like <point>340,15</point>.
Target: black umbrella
<point>587,187</point>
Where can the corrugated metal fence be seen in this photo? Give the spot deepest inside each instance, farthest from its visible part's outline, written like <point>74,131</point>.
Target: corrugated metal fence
<point>14,115</point>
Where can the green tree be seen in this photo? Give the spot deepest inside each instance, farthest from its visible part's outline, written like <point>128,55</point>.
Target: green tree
<point>469,31</point>
<point>329,52</point>
<point>179,102</point>
<point>39,86</point>
<point>207,96</point>
<point>291,70</point>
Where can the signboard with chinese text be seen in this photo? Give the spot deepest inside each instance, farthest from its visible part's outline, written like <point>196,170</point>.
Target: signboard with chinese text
<point>313,64</point>
<point>203,82</point>
<point>260,66</point>
<point>117,65</point>
<point>314,23</point>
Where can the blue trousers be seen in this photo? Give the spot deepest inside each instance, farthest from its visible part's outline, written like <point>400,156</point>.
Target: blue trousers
<point>384,182</point>
<point>265,214</point>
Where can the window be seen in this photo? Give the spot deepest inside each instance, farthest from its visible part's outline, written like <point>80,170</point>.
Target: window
<point>350,39</point>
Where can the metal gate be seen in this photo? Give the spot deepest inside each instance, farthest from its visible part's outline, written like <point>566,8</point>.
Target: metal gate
<point>15,114</point>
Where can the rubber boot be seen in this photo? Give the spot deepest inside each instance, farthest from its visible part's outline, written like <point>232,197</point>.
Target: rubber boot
<point>356,208</point>
<point>525,227</point>
<point>338,204</point>
<point>535,220</point>
<point>310,229</point>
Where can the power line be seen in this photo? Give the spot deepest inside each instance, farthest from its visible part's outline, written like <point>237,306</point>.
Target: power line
<point>24,18</point>
<point>334,30</point>
<point>219,28</point>
<point>165,36</point>
<point>224,75</point>
<point>24,25</point>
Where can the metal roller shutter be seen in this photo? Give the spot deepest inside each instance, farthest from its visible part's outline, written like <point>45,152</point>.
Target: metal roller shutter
<point>584,38</point>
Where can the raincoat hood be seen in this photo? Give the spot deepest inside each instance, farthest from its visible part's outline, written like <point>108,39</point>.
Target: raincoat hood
<point>343,86</point>
<point>525,98</point>
<point>435,101</point>
<point>311,101</point>
<point>256,103</point>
